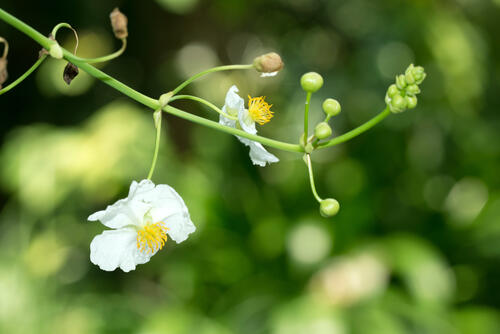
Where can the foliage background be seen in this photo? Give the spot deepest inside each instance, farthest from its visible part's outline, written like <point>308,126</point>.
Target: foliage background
<point>414,249</point>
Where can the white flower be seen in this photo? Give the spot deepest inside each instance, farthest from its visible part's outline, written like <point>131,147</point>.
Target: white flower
<point>140,224</point>
<point>258,111</point>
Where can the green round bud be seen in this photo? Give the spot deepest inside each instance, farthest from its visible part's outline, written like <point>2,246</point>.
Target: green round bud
<point>411,101</point>
<point>311,82</point>
<point>322,130</point>
<point>412,90</point>
<point>55,51</point>
<point>309,148</point>
<point>418,74</point>
<point>393,90</point>
<point>329,207</point>
<point>398,103</point>
<point>401,81</point>
<point>331,107</point>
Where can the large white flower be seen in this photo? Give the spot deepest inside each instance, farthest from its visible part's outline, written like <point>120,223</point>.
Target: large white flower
<point>258,111</point>
<point>140,224</point>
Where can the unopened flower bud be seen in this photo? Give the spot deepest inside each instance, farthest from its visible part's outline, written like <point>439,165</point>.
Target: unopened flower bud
<point>70,72</point>
<point>329,207</point>
<point>412,90</point>
<point>322,130</point>
<point>398,104</point>
<point>55,51</point>
<point>415,74</point>
<point>268,63</point>
<point>331,107</point>
<point>311,82</point>
<point>393,91</point>
<point>411,101</point>
<point>401,81</point>
<point>3,71</point>
<point>119,23</point>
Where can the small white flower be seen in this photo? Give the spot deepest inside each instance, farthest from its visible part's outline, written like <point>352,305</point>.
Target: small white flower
<point>258,111</point>
<point>140,224</point>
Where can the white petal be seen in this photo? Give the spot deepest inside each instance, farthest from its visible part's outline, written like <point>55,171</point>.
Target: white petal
<point>117,248</point>
<point>268,74</point>
<point>136,189</point>
<point>120,214</point>
<point>260,156</point>
<point>246,121</point>
<point>234,103</point>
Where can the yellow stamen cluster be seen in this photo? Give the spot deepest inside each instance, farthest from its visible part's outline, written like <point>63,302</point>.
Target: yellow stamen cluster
<point>259,110</point>
<point>152,237</point>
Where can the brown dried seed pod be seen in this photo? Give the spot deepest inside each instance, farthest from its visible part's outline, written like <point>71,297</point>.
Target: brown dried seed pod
<point>268,63</point>
<point>119,23</point>
<point>70,72</point>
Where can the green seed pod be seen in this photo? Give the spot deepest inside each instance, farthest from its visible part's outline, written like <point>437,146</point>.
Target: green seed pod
<point>401,81</point>
<point>393,90</point>
<point>412,90</point>
<point>329,207</point>
<point>322,130</point>
<point>331,107</point>
<point>411,101</point>
<point>311,82</point>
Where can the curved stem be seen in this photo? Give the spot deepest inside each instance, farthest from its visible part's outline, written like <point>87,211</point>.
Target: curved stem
<point>157,117</point>
<point>357,131</point>
<point>66,25</point>
<point>211,70</point>
<point>311,178</point>
<point>203,101</point>
<point>306,113</point>
<point>24,76</point>
<point>111,56</point>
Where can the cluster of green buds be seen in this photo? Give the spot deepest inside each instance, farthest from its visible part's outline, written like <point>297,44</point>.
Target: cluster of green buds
<point>402,95</point>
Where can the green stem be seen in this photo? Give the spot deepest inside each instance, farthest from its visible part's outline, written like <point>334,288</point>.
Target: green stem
<point>111,56</point>
<point>306,113</point>
<point>24,76</point>
<point>203,101</point>
<point>357,131</point>
<point>211,70</point>
<point>311,178</point>
<point>157,144</point>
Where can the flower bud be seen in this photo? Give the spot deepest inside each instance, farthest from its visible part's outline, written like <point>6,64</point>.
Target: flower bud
<point>311,82</point>
<point>70,72</point>
<point>412,90</point>
<point>398,104</point>
<point>56,51</point>
<point>322,130</point>
<point>329,207</point>
<point>411,101</point>
<point>401,81</point>
<point>3,71</point>
<point>393,90</point>
<point>119,23</point>
<point>268,63</point>
<point>416,74</point>
<point>331,107</point>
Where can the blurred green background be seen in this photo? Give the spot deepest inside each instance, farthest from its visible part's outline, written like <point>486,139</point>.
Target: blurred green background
<point>414,249</point>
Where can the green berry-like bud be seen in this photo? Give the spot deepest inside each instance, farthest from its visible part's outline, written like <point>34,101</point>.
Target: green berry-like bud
<point>56,51</point>
<point>322,130</point>
<point>411,101</point>
<point>309,148</point>
<point>311,82</point>
<point>401,81</point>
<point>331,107</point>
<point>412,90</point>
<point>329,207</point>
<point>398,103</point>
<point>393,91</point>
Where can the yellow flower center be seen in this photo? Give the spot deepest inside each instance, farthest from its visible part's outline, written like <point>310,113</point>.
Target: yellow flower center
<point>259,110</point>
<point>152,237</point>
